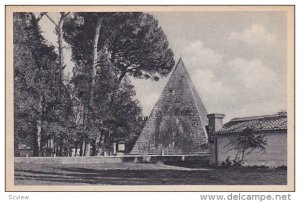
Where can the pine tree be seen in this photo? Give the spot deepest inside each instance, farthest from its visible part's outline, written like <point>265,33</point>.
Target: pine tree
<point>105,48</point>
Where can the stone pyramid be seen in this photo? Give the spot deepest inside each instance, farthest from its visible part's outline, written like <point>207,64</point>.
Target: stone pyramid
<point>177,122</point>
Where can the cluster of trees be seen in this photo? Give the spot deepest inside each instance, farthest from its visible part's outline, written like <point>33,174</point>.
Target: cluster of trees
<point>97,106</point>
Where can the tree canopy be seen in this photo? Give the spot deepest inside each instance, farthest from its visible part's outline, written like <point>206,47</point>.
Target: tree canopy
<point>99,105</point>
<point>133,43</point>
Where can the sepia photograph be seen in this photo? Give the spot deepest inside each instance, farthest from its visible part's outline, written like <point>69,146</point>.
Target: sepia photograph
<point>150,98</point>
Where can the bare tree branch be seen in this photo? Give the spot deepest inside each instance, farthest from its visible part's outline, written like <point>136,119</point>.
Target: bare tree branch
<point>51,19</point>
<point>66,14</point>
<point>40,16</point>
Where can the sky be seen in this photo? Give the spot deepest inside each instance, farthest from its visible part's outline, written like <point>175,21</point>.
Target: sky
<point>237,60</point>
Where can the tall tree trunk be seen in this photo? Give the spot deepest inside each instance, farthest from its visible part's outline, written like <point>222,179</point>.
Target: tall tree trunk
<point>39,127</point>
<point>16,146</point>
<point>60,46</point>
<point>87,151</point>
<point>95,57</point>
<point>61,148</point>
<point>93,79</point>
<point>83,146</point>
<point>39,135</point>
<point>52,145</point>
<point>35,145</point>
<point>97,144</point>
<point>94,147</point>
<point>76,147</point>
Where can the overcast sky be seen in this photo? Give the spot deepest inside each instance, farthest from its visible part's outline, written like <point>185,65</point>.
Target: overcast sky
<point>237,60</point>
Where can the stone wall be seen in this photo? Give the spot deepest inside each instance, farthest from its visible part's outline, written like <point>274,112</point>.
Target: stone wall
<point>113,159</point>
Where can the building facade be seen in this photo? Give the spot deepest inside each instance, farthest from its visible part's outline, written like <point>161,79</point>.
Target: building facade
<point>225,141</point>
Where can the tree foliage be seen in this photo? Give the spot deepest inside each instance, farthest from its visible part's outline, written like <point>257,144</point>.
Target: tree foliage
<point>39,98</point>
<point>99,105</point>
<point>129,44</point>
<point>249,141</point>
<point>133,43</point>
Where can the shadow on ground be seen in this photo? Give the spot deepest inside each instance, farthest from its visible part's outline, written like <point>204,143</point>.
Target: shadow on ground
<point>131,174</point>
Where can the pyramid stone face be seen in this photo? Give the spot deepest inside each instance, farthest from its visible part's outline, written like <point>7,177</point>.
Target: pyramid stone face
<point>177,122</point>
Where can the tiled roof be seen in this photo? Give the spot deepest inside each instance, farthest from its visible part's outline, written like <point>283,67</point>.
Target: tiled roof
<point>256,123</point>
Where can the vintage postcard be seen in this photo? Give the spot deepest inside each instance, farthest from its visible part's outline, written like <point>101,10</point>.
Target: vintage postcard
<point>150,98</point>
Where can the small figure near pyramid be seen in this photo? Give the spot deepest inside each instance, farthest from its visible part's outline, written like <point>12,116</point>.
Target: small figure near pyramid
<point>177,122</point>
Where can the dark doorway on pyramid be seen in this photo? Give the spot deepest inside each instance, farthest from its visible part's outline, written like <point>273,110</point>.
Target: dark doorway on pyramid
<point>177,122</point>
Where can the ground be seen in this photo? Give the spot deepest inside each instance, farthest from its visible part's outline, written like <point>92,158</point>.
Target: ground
<point>143,174</point>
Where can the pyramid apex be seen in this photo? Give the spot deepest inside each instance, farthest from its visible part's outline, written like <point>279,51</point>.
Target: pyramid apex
<point>174,115</point>
<point>180,60</point>
<point>180,63</point>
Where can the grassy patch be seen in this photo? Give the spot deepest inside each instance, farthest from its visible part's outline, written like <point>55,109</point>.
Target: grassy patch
<point>143,174</point>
